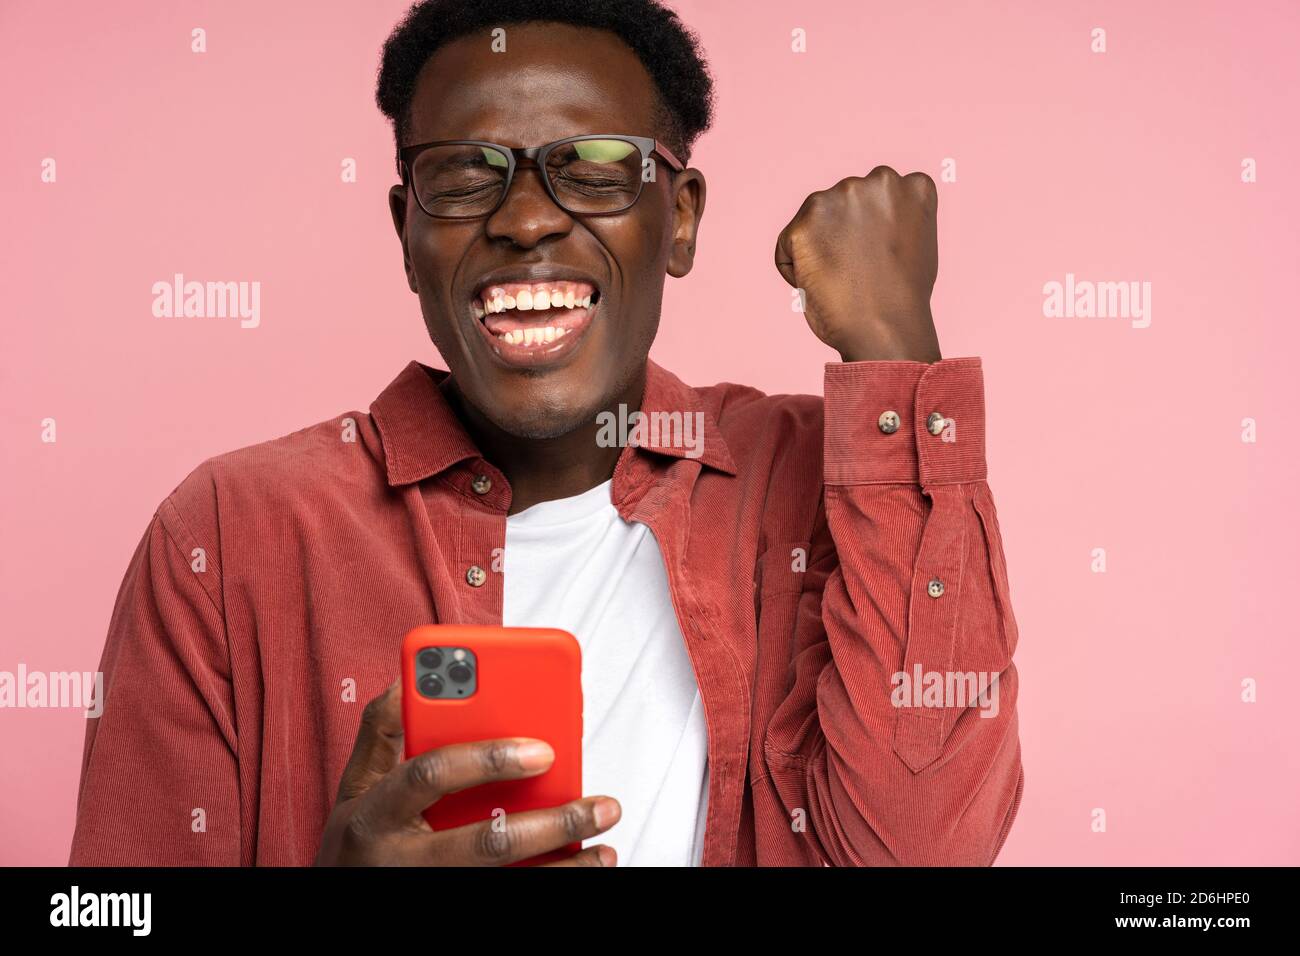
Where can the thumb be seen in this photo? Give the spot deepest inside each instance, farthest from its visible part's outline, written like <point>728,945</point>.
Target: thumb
<point>379,744</point>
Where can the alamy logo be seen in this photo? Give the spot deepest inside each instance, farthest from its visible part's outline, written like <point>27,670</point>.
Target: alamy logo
<point>53,689</point>
<point>946,689</point>
<point>1084,299</point>
<point>661,429</point>
<point>208,300</point>
<point>75,908</point>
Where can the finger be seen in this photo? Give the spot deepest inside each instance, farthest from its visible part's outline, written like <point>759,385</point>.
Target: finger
<point>423,780</point>
<point>785,258</point>
<point>378,747</point>
<point>785,241</point>
<point>922,185</point>
<point>520,836</point>
<point>602,855</point>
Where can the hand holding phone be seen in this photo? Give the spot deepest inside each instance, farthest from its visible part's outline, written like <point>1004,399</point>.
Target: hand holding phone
<point>378,816</point>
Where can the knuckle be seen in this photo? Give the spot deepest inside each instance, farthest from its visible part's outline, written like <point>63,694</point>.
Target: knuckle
<point>923,182</point>
<point>496,757</point>
<point>576,819</point>
<point>494,843</point>
<point>426,772</point>
<point>814,201</point>
<point>371,713</point>
<point>358,832</point>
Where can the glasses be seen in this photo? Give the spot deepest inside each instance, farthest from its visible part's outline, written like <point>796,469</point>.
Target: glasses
<point>592,175</point>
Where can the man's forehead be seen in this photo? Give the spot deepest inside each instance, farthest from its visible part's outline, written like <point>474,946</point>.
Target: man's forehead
<point>551,81</point>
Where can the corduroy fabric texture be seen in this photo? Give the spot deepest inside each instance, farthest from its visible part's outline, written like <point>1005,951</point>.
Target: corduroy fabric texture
<point>268,597</point>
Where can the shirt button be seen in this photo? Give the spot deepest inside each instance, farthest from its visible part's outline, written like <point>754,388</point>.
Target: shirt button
<point>935,588</point>
<point>889,422</point>
<point>934,424</point>
<point>476,576</point>
<point>481,484</point>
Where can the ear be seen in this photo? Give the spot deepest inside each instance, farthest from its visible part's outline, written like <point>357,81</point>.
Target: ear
<point>689,191</point>
<point>397,206</point>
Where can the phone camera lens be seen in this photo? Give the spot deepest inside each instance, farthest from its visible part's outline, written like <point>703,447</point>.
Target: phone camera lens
<point>431,685</point>
<point>430,658</point>
<point>460,672</point>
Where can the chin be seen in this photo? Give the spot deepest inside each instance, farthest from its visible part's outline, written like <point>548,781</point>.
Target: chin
<point>544,420</point>
<point>548,404</point>
<point>536,429</point>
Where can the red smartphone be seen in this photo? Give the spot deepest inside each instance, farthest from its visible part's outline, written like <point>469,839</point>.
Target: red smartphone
<point>462,683</point>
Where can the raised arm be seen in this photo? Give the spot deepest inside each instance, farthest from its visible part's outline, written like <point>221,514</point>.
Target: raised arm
<point>899,735</point>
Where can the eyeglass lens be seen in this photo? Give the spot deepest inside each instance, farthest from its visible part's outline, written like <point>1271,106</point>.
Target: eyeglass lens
<point>586,176</point>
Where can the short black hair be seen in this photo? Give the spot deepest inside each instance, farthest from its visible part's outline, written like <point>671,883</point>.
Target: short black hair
<point>670,52</point>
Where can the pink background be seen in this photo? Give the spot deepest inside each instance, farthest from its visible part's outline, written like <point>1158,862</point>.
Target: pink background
<point>1116,166</point>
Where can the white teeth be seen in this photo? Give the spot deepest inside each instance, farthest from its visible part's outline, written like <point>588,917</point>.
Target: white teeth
<point>528,300</point>
<point>533,336</point>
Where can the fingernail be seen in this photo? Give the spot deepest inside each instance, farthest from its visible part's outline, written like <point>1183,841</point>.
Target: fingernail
<point>534,755</point>
<point>606,811</point>
<point>607,856</point>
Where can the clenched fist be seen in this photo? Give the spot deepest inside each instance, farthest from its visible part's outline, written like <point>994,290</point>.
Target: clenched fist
<point>865,253</point>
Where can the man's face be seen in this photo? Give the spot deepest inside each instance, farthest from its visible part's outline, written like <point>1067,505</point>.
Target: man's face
<point>554,81</point>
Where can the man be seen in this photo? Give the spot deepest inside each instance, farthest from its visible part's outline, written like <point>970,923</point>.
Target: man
<point>751,598</point>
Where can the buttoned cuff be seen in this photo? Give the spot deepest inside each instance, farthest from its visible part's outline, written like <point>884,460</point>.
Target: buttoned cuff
<point>904,422</point>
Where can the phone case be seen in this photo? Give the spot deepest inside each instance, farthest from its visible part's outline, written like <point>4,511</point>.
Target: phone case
<point>527,683</point>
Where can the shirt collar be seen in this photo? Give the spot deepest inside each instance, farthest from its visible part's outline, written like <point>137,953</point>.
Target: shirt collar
<point>423,437</point>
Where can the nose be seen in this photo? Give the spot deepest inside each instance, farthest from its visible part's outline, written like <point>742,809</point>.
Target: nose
<point>528,215</point>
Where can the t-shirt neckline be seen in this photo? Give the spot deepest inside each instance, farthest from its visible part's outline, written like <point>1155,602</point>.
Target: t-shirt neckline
<point>559,511</point>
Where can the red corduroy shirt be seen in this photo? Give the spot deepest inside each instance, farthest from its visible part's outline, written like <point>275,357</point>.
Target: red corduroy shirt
<point>812,553</point>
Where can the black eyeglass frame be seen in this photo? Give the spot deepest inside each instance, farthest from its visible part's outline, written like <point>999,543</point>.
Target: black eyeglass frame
<point>538,155</point>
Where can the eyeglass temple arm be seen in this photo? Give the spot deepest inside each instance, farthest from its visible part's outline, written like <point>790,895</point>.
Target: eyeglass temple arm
<point>667,154</point>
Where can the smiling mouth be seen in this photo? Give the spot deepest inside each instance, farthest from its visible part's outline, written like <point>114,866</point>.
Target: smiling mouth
<point>535,323</point>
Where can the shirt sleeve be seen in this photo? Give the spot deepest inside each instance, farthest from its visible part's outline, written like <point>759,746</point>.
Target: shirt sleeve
<point>159,780</point>
<point>899,733</point>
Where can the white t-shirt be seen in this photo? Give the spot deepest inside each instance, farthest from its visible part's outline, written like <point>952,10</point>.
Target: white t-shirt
<point>575,564</point>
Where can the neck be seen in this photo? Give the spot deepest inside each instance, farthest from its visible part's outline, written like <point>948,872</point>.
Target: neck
<point>544,469</point>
